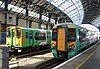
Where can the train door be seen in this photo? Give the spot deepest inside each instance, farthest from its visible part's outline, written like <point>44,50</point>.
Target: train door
<point>31,38</point>
<point>13,37</point>
<point>61,39</point>
<point>26,40</point>
<point>9,36</point>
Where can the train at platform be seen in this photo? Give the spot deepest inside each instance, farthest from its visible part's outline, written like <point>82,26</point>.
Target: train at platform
<point>69,39</point>
<point>21,39</point>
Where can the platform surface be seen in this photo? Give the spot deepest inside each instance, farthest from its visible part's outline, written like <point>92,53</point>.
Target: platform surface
<point>94,61</point>
<point>78,61</point>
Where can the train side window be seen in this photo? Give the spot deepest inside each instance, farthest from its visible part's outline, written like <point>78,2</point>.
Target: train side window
<point>26,34</point>
<point>71,34</point>
<point>54,34</point>
<point>40,36</point>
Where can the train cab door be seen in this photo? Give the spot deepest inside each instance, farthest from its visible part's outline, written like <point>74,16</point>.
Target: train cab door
<point>48,37</point>
<point>13,37</point>
<point>61,39</point>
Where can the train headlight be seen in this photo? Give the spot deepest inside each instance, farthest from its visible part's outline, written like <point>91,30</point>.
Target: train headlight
<point>71,46</point>
<point>53,45</point>
<point>17,45</point>
<point>8,44</point>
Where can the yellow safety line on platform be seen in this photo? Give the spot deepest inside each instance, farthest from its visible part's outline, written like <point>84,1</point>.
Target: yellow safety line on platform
<point>84,61</point>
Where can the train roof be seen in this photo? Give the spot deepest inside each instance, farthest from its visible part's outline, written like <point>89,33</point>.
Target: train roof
<point>69,25</point>
<point>27,28</point>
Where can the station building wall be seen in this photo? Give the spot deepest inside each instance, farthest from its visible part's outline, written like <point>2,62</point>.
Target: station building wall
<point>11,20</point>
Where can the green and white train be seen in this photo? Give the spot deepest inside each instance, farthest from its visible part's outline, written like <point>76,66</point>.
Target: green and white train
<point>19,38</point>
<point>69,39</point>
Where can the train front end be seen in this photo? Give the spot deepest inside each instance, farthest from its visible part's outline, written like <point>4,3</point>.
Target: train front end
<point>13,38</point>
<point>63,41</point>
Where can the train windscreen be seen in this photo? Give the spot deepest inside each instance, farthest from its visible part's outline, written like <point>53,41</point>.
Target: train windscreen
<point>18,32</point>
<point>54,35</point>
<point>71,34</point>
<point>8,32</point>
<point>40,36</point>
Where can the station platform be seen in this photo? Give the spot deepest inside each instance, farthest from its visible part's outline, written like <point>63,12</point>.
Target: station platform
<point>88,59</point>
<point>94,61</point>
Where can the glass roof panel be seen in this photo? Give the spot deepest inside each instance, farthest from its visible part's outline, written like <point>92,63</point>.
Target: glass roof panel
<point>24,11</point>
<point>52,20</point>
<point>45,18</point>
<point>33,14</point>
<point>57,2</point>
<point>72,13</point>
<point>2,5</point>
<point>96,22</point>
<point>69,7</point>
<point>19,10</point>
<point>0,2</point>
<point>65,5</point>
<point>10,6</point>
<point>14,8</point>
<point>37,16</point>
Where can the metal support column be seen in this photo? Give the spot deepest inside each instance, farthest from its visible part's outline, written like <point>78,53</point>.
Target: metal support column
<point>30,24</point>
<point>49,20</point>
<point>5,12</point>
<point>40,17</point>
<point>56,19</point>
<point>4,57</point>
<point>26,14</point>
<point>60,20</point>
<point>17,19</point>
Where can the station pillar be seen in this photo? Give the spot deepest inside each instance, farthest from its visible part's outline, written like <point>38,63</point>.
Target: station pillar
<point>6,2</point>
<point>40,17</point>
<point>49,20</point>
<point>17,19</point>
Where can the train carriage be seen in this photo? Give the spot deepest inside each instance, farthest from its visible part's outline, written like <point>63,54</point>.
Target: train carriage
<point>68,40</point>
<point>19,38</point>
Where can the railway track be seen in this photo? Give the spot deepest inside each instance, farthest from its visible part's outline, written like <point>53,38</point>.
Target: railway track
<point>29,54</point>
<point>49,64</point>
<point>30,62</point>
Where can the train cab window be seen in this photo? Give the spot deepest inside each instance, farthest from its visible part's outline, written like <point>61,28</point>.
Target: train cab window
<point>26,34</point>
<point>8,32</point>
<point>71,34</point>
<point>18,32</point>
<point>54,35</point>
<point>40,36</point>
<point>13,32</point>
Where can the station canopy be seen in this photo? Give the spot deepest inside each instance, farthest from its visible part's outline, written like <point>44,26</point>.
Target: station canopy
<point>78,11</point>
<point>17,7</point>
<point>73,8</point>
